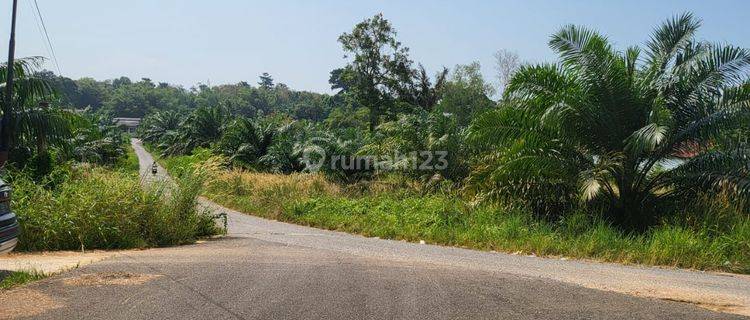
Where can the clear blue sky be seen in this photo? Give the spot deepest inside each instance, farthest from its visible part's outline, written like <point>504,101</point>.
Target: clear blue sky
<point>226,41</point>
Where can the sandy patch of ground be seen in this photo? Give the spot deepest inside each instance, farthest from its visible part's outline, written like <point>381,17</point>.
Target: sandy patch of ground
<point>724,303</point>
<point>51,262</point>
<point>711,300</point>
<point>19,303</point>
<point>110,278</point>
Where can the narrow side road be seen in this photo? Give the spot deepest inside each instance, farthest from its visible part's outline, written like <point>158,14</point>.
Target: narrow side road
<point>270,270</point>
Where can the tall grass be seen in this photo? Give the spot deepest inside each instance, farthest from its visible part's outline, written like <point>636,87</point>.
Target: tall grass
<point>395,210</point>
<point>129,161</point>
<point>259,192</point>
<point>98,208</point>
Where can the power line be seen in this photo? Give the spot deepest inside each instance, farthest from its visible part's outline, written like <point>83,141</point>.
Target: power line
<point>46,35</point>
<point>41,32</point>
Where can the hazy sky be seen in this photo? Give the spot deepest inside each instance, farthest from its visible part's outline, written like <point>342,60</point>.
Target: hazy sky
<point>226,41</point>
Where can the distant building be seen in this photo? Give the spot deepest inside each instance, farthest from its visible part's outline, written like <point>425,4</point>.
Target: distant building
<point>130,124</point>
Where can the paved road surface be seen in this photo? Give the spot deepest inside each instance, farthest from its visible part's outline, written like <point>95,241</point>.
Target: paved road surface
<point>271,270</point>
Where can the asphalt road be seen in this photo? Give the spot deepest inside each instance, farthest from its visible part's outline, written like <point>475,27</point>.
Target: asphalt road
<point>271,270</point>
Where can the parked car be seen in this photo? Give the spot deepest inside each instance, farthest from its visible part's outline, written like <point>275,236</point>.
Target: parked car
<point>9,228</point>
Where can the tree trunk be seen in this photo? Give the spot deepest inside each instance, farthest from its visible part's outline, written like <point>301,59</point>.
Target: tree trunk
<point>8,107</point>
<point>373,120</point>
<point>4,139</point>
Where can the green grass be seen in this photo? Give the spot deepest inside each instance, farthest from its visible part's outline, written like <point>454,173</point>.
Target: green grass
<point>181,164</point>
<point>99,208</point>
<point>399,212</point>
<point>128,162</point>
<point>449,221</point>
<point>18,278</point>
<point>713,237</point>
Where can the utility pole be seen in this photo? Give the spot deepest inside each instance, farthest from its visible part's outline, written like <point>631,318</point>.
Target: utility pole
<point>8,105</point>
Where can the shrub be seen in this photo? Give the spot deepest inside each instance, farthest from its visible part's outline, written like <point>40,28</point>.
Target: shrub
<point>95,208</point>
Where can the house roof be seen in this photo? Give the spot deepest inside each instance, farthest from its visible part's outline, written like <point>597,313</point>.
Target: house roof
<point>128,122</point>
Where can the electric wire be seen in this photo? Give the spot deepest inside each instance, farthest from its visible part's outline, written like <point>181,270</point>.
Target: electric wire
<point>46,35</point>
<point>39,28</point>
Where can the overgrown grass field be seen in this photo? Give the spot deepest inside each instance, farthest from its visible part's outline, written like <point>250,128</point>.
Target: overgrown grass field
<point>394,208</point>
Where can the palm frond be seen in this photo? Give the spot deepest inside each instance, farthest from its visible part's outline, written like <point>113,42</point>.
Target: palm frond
<point>669,39</point>
<point>646,139</point>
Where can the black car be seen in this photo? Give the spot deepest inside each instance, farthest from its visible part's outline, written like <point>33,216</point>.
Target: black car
<point>9,229</point>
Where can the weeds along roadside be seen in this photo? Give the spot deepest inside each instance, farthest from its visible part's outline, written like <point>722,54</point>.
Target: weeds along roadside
<point>81,207</point>
<point>715,236</point>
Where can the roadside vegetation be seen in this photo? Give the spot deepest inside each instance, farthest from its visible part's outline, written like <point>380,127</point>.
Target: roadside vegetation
<point>75,179</point>
<point>129,161</point>
<point>637,155</point>
<point>396,208</point>
<point>96,208</point>
<point>18,278</point>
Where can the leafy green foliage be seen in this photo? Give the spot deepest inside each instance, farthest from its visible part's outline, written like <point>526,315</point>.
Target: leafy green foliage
<point>246,141</point>
<point>97,141</point>
<point>605,123</point>
<point>42,135</point>
<point>425,140</point>
<point>380,66</point>
<point>465,94</point>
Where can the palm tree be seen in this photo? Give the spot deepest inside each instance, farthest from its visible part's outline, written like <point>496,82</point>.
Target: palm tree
<point>284,153</point>
<point>95,140</point>
<point>245,141</point>
<point>335,155</point>
<point>206,124</point>
<point>629,130</point>
<point>201,128</point>
<point>424,93</point>
<point>155,126</point>
<point>41,127</point>
<point>28,120</point>
<point>431,143</point>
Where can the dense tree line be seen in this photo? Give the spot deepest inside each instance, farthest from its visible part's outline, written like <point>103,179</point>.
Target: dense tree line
<point>384,105</point>
<point>123,97</point>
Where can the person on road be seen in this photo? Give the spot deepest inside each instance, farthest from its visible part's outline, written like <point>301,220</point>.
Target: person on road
<point>153,168</point>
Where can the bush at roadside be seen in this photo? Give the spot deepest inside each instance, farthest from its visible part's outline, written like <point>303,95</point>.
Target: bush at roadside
<point>95,208</point>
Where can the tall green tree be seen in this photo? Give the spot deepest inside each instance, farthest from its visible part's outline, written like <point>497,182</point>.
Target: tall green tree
<point>266,81</point>
<point>425,94</point>
<point>465,94</point>
<point>380,66</point>
<point>90,94</point>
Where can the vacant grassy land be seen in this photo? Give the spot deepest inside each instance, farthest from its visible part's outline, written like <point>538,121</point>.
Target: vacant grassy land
<point>395,209</point>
